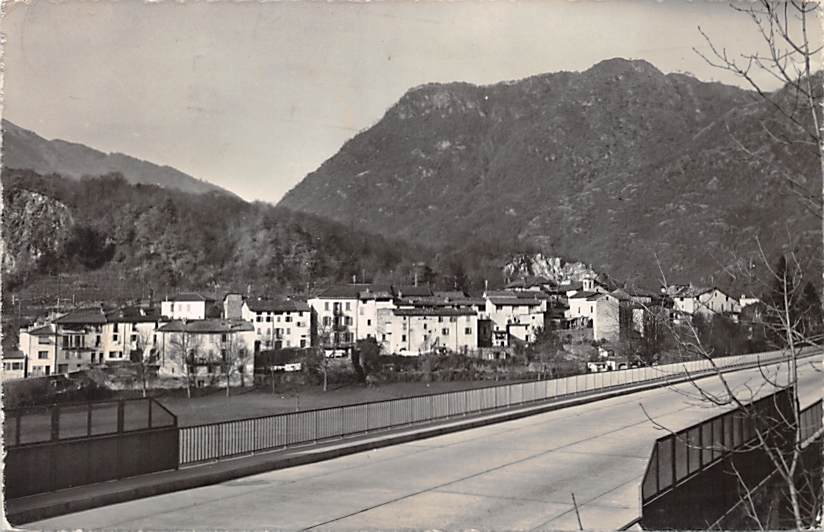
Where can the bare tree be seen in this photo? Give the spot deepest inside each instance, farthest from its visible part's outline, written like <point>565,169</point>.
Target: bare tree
<point>144,356</point>
<point>790,329</point>
<point>790,58</point>
<point>184,352</point>
<point>234,358</point>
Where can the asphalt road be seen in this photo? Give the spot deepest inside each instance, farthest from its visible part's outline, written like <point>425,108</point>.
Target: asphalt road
<point>514,475</point>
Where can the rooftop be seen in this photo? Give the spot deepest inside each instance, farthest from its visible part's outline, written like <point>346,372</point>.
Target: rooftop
<point>277,305</point>
<point>189,297</point>
<point>207,326</point>
<point>434,312</point>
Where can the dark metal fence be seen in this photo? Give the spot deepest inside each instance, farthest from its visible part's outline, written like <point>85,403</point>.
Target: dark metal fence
<point>59,446</point>
<point>214,441</point>
<point>678,456</point>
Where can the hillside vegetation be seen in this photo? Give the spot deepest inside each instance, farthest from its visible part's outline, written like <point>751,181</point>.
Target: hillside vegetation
<point>621,166</point>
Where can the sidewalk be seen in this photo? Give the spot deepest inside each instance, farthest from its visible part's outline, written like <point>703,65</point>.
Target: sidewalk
<point>45,505</point>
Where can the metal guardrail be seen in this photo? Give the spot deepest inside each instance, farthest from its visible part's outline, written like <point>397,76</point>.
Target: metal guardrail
<point>679,456</point>
<point>61,446</point>
<point>214,441</point>
<point>36,424</point>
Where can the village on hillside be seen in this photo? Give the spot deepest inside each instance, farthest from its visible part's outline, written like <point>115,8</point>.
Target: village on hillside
<point>210,342</point>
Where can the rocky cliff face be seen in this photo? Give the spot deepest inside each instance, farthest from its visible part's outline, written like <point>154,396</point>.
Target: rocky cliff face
<point>33,225</point>
<point>620,166</point>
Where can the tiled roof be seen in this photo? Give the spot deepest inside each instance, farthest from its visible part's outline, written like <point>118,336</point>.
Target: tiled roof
<point>582,295</point>
<point>514,301</point>
<point>376,291</point>
<point>189,296</point>
<point>208,326</point>
<point>277,305</point>
<point>13,354</point>
<point>42,331</point>
<point>453,294</point>
<point>412,291</point>
<point>83,316</point>
<point>343,291</point>
<point>133,315</point>
<point>434,312</point>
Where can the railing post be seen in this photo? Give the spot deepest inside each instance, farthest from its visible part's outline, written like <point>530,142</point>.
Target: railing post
<point>120,412</point>
<point>150,413</point>
<point>17,428</point>
<point>55,423</point>
<point>89,420</point>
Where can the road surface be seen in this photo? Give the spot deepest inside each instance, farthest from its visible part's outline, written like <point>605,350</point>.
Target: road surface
<point>514,475</point>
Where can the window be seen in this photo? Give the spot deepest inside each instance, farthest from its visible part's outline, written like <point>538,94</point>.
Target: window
<point>440,319</point>
<point>269,319</point>
<point>368,322</point>
<point>258,318</point>
<point>445,332</point>
<point>223,337</point>
<point>403,338</point>
<point>287,319</point>
<point>43,340</point>
<point>468,330</point>
<point>327,321</point>
<point>326,306</point>
<point>42,355</point>
<point>134,337</point>
<point>348,306</point>
<point>453,319</point>
<point>114,327</point>
<point>115,338</point>
<point>97,341</point>
<point>303,343</point>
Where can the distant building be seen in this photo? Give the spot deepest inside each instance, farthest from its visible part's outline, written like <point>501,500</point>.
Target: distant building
<point>90,336</point>
<point>14,365</point>
<point>515,316</point>
<point>336,311</point>
<point>211,348</point>
<point>599,310</point>
<point>279,322</point>
<point>690,300</point>
<point>233,306</point>
<point>421,330</point>
<point>186,306</point>
<point>39,345</point>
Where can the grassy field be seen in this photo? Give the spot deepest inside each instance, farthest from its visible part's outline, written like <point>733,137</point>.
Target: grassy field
<point>260,402</point>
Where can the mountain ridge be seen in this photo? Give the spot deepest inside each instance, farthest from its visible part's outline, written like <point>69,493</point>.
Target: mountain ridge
<point>606,165</point>
<point>26,150</point>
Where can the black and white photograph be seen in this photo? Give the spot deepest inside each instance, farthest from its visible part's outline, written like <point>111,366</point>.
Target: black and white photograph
<point>430,265</point>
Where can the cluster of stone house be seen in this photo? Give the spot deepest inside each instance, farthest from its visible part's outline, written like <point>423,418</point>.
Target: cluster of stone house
<point>220,339</point>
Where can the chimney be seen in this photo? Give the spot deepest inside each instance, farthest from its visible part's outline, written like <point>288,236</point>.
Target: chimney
<point>354,279</point>
<point>416,278</point>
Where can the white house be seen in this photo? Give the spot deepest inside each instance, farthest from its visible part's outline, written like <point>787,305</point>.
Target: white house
<point>279,322</point>
<point>186,306</point>
<point>211,348</point>
<point>599,310</point>
<point>515,316</point>
<point>690,300</point>
<point>39,345</point>
<point>420,330</point>
<point>336,312</point>
<point>14,365</point>
<point>374,304</point>
<point>89,336</point>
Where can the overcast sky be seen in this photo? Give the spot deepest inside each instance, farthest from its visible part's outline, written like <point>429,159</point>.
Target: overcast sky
<point>253,96</point>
